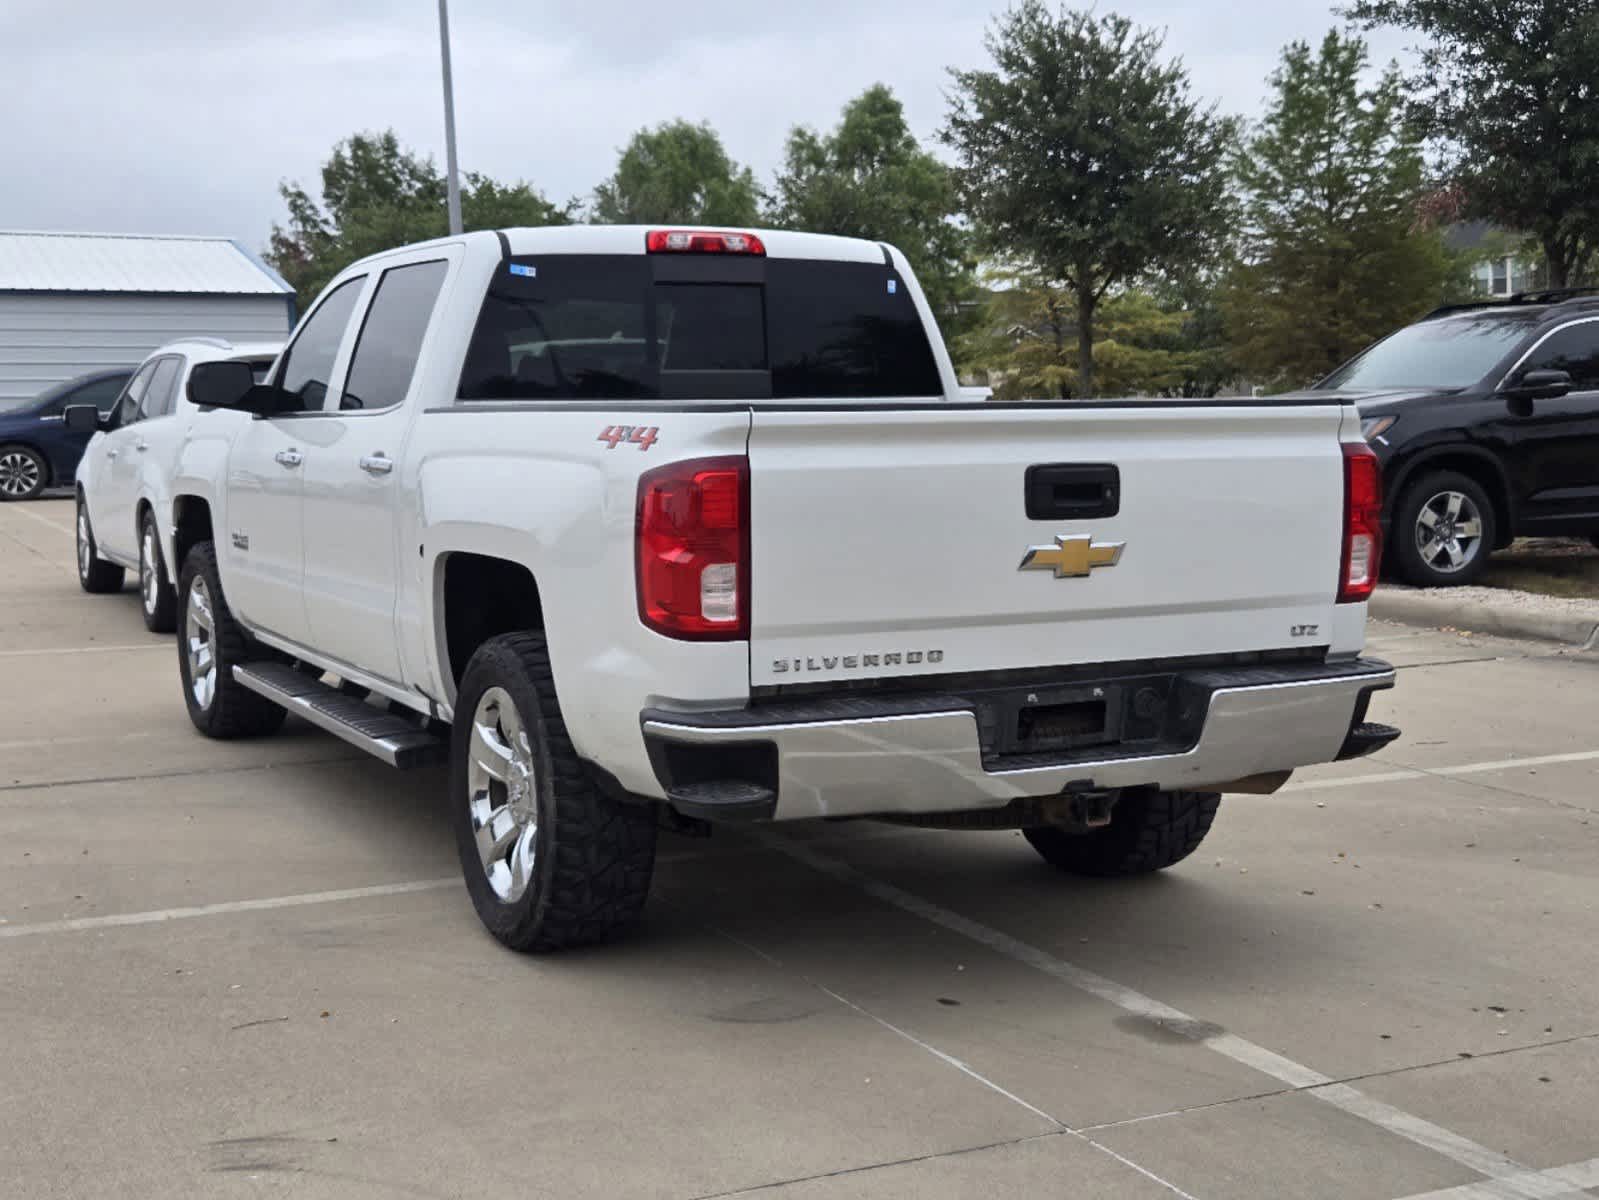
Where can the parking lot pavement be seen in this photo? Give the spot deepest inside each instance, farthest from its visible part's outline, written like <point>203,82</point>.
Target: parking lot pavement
<point>251,970</point>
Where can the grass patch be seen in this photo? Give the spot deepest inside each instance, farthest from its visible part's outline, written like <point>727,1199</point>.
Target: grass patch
<point>1548,566</point>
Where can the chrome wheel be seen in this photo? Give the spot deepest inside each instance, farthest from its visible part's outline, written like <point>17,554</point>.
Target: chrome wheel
<point>502,794</point>
<point>19,474</point>
<point>85,549</point>
<point>199,643</point>
<point>1449,532</point>
<point>149,583</point>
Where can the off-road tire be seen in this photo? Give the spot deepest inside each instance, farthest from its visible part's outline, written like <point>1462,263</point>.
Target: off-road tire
<point>1401,549</point>
<point>1149,830</point>
<point>160,609</point>
<point>593,853</point>
<point>95,574</point>
<point>234,711</point>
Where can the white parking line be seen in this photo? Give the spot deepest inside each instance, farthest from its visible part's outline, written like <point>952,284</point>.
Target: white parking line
<point>1057,1126</point>
<point>1557,1181</point>
<point>157,916</point>
<point>162,645</point>
<point>1407,774</point>
<point>949,1060</point>
<point>1509,1174</point>
<point>18,510</point>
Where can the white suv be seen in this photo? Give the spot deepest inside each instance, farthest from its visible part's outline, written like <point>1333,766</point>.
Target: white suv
<point>124,478</point>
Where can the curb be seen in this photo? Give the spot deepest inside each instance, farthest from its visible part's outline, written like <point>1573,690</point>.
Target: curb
<point>1435,607</point>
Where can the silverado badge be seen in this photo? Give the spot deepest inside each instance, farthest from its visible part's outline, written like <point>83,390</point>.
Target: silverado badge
<point>1072,556</point>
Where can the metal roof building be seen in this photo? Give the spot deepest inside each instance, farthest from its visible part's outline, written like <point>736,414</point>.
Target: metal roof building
<point>75,302</point>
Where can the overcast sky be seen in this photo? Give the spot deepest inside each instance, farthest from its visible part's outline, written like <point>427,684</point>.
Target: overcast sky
<point>181,116</point>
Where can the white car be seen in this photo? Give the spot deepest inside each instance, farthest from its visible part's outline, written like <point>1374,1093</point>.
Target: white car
<point>125,475</point>
<point>686,526</point>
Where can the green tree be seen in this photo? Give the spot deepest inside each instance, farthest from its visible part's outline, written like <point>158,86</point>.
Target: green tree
<point>1507,90</point>
<point>679,174</point>
<point>1207,356</point>
<point>1334,255</point>
<point>1083,154</point>
<point>1026,342</point>
<point>376,195</point>
<point>870,179</point>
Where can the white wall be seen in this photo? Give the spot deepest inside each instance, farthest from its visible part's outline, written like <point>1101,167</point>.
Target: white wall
<point>48,337</point>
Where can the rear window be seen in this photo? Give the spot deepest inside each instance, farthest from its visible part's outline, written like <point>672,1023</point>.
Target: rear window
<point>620,327</point>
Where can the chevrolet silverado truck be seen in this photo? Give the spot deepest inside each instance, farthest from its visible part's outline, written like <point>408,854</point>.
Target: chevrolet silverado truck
<point>664,528</point>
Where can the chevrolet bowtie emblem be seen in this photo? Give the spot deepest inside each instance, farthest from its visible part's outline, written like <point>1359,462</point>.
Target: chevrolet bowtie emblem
<point>1072,557</point>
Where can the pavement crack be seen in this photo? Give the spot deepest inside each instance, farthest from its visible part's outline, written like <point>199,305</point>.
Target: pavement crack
<point>1450,662</point>
<point>1456,1060</point>
<point>37,553</point>
<point>1345,1080</point>
<point>949,1060</point>
<point>842,1172</point>
<point>262,1021</point>
<point>1504,790</point>
<point>181,773</point>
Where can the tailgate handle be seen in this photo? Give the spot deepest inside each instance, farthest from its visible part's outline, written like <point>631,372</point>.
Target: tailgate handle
<point>1073,491</point>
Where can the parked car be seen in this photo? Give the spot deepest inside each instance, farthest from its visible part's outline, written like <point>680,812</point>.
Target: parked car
<point>125,476</point>
<point>37,450</point>
<point>1485,417</point>
<point>694,526</point>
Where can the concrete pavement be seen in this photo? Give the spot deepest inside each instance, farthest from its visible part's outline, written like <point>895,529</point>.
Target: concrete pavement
<point>251,970</point>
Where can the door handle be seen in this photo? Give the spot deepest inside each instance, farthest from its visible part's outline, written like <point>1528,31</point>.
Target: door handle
<point>289,458</point>
<point>1071,491</point>
<point>377,464</point>
<point>110,453</point>
<point>141,446</point>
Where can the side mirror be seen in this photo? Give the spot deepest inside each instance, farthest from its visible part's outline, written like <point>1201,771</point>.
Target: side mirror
<point>81,418</point>
<point>232,385</point>
<point>1536,385</point>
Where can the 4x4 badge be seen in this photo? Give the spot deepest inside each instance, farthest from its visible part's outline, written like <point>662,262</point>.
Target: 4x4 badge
<point>1072,556</point>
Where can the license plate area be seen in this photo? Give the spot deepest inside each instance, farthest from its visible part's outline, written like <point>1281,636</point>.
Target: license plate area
<point>1041,721</point>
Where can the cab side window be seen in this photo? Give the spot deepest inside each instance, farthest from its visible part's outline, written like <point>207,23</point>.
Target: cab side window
<point>1575,350</point>
<point>158,397</point>
<point>391,336</point>
<point>307,364</point>
<point>128,405</point>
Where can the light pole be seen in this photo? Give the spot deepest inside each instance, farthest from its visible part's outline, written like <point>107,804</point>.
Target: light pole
<point>453,179</point>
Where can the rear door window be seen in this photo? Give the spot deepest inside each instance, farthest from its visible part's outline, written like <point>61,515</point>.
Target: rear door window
<point>391,336</point>
<point>1575,350</point>
<point>613,327</point>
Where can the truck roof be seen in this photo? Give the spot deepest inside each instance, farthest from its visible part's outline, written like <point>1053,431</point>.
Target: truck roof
<point>629,239</point>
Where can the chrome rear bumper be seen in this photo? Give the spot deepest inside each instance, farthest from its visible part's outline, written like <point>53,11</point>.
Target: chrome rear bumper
<point>857,757</point>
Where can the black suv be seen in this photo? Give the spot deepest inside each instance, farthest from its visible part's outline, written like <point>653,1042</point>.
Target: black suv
<point>1486,420</point>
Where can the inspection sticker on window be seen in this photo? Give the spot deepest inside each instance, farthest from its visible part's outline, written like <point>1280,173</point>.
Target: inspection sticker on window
<point>524,269</point>
<point>893,286</point>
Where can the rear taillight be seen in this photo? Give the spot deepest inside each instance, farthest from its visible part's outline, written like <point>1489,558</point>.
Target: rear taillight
<point>693,546</point>
<point>698,241</point>
<point>1362,556</point>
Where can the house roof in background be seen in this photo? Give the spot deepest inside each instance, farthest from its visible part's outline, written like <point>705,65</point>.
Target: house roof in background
<point>117,262</point>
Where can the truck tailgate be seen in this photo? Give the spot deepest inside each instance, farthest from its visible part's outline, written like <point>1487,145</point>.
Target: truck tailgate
<point>891,541</point>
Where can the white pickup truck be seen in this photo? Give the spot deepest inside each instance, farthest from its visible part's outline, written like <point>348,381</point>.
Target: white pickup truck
<point>667,527</point>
